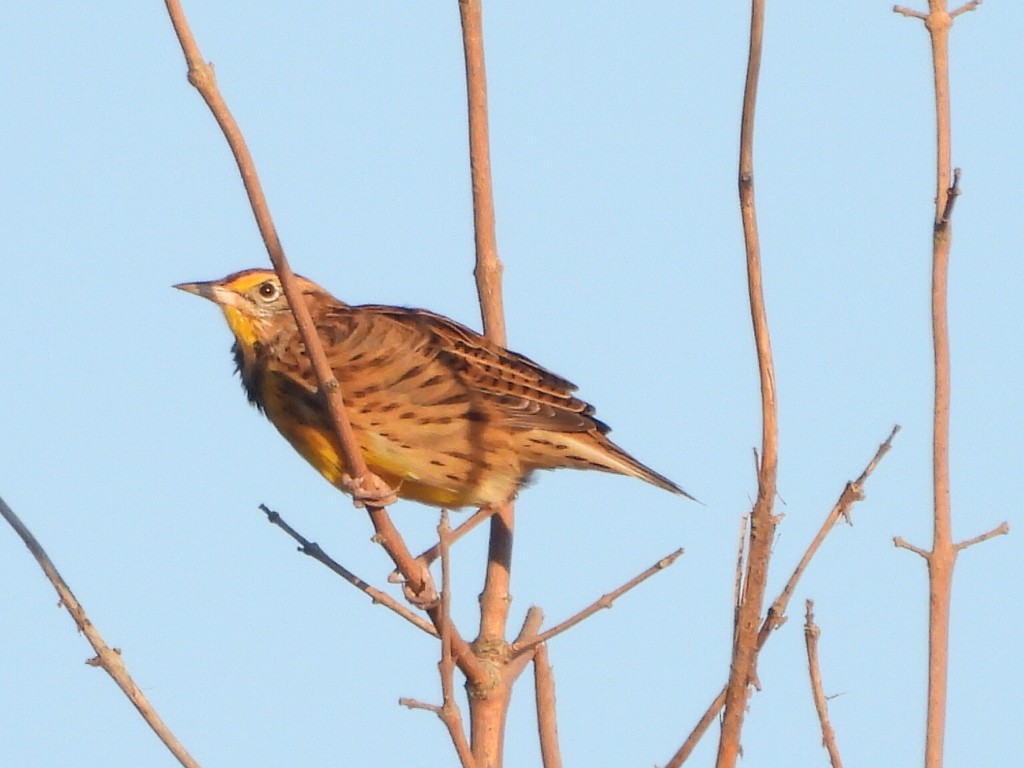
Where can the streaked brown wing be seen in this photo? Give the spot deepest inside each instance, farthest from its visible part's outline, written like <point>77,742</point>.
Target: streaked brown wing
<point>530,396</point>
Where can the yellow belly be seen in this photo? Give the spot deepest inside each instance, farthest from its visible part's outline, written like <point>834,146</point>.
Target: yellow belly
<point>412,473</point>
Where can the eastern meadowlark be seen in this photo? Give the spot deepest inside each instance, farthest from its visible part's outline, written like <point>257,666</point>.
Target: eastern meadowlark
<point>441,414</point>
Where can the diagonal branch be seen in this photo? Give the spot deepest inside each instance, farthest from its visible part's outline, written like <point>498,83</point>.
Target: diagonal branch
<point>852,493</point>
<point>1000,530</point>
<point>416,575</point>
<point>522,646</point>
<point>106,657</point>
<point>313,550</point>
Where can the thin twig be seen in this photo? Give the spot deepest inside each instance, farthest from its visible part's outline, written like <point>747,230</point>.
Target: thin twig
<point>828,735</point>
<point>450,714</point>
<point>313,550</point>
<point>776,614</point>
<point>547,723</point>
<point>737,589</point>
<point>109,659</point>
<point>969,6</point>
<point>1000,530</point>
<point>605,601</point>
<point>909,12</point>
<point>852,493</point>
<point>428,556</point>
<point>902,543</point>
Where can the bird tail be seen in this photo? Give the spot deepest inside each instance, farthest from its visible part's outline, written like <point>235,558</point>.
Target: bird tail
<point>592,450</point>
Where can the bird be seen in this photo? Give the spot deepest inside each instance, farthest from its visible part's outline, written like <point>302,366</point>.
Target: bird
<point>442,415</point>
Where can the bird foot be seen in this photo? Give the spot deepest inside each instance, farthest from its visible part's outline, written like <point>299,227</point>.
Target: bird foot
<point>368,490</point>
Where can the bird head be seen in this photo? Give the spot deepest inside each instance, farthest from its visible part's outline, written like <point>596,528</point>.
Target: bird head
<point>252,301</point>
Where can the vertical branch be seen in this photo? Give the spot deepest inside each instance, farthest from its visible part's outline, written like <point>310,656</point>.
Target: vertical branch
<point>828,735</point>
<point>450,714</point>
<point>942,557</point>
<point>489,708</point>
<point>762,522</point>
<point>940,564</point>
<point>488,268</point>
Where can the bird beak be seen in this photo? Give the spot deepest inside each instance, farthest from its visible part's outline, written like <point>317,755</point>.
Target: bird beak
<point>209,290</point>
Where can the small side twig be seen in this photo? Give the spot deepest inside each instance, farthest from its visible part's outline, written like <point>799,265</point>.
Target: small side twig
<point>902,543</point>
<point>1000,530</point>
<point>828,735</point>
<point>741,555</point>
<point>313,550</point>
<point>605,601</point>
<point>547,724</point>
<point>107,658</point>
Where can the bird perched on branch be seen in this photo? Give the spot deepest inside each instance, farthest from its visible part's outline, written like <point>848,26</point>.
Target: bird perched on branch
<point>441,414</point>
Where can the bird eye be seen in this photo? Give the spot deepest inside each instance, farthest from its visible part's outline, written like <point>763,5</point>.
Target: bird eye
<point>268,291</point>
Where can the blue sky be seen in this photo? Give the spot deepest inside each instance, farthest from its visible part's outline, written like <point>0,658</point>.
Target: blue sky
<point>132,455</point>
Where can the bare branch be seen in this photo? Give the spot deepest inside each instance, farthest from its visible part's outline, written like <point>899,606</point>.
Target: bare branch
<point>1000,530</point>
<point>776,614</point>
<point>450,714</point>
<point>909,12</point>
<point>605,601</point>
<point>902,543</point>
<point>531,624</point>
<point>970,6</point>
<point>109,659</point>
<point>762,521</point>
<point>417,704</point>
<point>313,550</point>
<point>811,633</point>
<point>852,493</point>
<point>547,724</point>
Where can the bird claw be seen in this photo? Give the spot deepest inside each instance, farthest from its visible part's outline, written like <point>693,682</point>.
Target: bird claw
<point>368,490</point>
<point>424,600</point>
